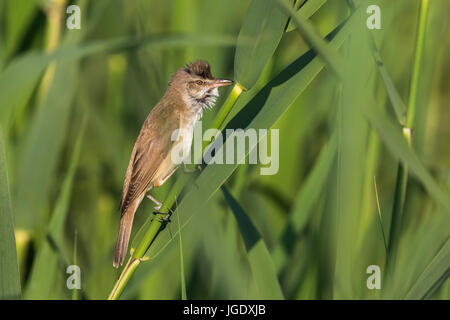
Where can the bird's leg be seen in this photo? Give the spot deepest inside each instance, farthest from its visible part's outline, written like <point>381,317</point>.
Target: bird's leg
<point>159,206</point>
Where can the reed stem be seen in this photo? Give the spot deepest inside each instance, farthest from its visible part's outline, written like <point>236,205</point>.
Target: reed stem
<point>124,278</point>
<point>226,109</point>
<point>402,173</point>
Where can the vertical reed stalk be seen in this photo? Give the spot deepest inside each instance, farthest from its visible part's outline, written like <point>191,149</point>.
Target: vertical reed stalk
<point>402,174</point>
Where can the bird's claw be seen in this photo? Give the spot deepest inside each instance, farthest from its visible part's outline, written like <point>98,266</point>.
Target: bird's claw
<point>166,218</point>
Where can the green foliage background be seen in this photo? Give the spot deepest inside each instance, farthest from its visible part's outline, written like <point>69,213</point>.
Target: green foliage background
<point>72,103</point>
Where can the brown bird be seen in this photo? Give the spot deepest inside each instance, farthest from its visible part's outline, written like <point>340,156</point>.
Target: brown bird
<point>191,90</point>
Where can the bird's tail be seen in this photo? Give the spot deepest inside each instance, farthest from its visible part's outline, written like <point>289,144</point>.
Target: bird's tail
<point>126,222</point>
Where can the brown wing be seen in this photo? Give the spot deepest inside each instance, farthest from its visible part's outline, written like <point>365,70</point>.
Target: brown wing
<point>151,148</point>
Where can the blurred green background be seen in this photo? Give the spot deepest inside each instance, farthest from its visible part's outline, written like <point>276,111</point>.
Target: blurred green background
<point>72,103</point>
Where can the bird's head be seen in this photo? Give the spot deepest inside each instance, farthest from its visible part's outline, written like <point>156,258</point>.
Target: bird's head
<point>198,84</point>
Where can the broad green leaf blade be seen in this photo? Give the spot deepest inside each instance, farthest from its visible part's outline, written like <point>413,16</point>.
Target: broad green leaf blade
<point>56,226</point>
<point>18,18</point>
<point>352,149</point>
<point>306,11</point>
<point>47,274</point>
<point>17,82</point>
<point>422,263</point>
<point>436,272</point>
<point>306,200</point>
<point>261,264</point>
<point>313,38</point>
<point>312,188</point>
<point>9,270</point>
<point>229,271</point>
<point>258,38</point>
<point>48,130</point>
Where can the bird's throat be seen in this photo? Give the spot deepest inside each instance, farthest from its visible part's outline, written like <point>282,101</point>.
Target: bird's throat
<point>208,99</point>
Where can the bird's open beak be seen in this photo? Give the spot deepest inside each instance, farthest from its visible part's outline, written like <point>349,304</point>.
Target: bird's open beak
<point>221,83</point>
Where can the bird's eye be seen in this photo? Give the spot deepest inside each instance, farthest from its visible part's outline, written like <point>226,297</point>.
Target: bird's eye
<point>199,82</point>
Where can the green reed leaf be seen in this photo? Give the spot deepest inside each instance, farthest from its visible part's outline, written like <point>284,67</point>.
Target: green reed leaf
<point>306,11</point>
<point>258,38</point>
<point>9,270</point>
<point>261,264</point>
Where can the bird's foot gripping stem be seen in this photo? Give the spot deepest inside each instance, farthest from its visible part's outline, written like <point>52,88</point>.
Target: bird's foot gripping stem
<point>166,218</point>
<point>158,207</point>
